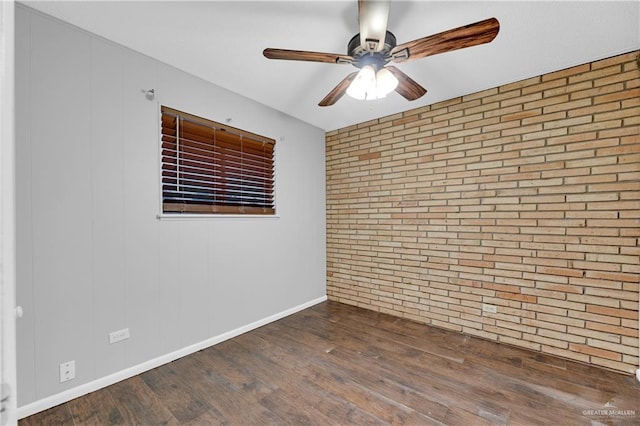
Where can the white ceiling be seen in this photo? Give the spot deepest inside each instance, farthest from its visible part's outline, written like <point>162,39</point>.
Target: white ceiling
<point>222,42</point>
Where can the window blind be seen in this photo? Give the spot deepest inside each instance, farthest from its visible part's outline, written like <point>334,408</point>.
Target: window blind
<point>208,167</point>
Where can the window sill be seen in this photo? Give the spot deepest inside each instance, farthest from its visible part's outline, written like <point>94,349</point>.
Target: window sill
<point>187,216</point>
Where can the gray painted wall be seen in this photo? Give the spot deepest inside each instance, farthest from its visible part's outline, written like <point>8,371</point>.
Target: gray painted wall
<point>92,256</point>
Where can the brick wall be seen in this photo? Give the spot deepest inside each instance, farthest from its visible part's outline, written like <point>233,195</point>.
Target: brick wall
<point>525,197</point>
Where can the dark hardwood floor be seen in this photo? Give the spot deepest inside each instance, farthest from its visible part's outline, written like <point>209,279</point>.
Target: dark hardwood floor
<point>337,364</point>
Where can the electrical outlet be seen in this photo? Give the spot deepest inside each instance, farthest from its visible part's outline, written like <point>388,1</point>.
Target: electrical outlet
<point>492,309</point>
<point>119,335</point>
<point>67,371</point>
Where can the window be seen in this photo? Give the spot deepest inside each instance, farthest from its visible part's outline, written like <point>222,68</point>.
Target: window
<point>212,168</point>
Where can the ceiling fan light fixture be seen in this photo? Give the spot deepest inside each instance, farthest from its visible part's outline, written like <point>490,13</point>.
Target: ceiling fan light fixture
<point>386,82</point>
<point>363,87</point>
<point>369,84</point>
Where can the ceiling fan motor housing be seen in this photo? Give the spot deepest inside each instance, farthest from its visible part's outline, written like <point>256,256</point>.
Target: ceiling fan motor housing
<point>362,54</point>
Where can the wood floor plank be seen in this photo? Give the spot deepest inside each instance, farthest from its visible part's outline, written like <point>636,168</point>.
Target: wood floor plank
<point>173,390</point>
<point>354,379</point>
<point>59,415</point>
<point>282,404</point>
<point>305,394</point>
<point>336,382</point>
<point>377,354</point>
<point>410,334</point>
<point>459,416</point>
<point>138,404</point>
<point>228,400</point>
<point>339,364</point>
<point>221,359</point>
<point>364,375</point>
<point>96,408</point>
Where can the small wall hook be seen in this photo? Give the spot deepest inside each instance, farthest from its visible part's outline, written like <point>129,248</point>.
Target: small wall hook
<point>150,93</point>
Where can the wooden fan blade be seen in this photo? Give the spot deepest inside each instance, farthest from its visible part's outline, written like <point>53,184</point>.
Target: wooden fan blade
<point>407,87</point>
<point>303,55</point>
<point>454,39</point>
<point>372,17</point>
<point>338,91</point>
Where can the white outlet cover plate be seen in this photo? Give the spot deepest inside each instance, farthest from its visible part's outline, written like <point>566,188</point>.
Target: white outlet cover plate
<point>67,371</point>
<point>119,335</point>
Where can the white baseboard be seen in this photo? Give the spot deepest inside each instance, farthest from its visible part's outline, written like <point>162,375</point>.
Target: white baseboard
<point>68,395</point>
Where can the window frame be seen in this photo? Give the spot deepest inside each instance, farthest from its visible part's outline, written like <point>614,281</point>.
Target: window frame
<point>212,210</point>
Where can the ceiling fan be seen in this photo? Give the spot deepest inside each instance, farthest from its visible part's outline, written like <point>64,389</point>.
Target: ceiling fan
<point>374,47</point>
